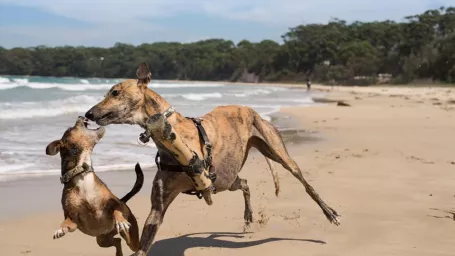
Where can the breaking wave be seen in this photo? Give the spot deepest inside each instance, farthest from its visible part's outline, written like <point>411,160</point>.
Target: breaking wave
<point>201,96</point>
<point>19,110</point>
<point>85,85</point>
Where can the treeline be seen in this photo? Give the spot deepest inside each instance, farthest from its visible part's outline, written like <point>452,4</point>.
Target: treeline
<point>421,47</point>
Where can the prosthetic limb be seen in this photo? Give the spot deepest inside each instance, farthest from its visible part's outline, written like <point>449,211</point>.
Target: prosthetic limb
<point>162,131</point>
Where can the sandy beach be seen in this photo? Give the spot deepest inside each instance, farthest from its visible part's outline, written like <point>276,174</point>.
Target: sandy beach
<point>385,163</point>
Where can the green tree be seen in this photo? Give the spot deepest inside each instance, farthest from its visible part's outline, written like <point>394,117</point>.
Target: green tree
<point>420,47</point>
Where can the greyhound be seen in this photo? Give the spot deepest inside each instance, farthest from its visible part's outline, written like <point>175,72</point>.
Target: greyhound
<point>232,131</point>
<point>88,204</point>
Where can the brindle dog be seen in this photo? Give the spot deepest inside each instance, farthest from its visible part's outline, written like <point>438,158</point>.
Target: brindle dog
<point>232,130</point>
<point>88,204</point>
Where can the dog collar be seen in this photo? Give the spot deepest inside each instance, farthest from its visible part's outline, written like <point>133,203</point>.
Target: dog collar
<point>69,175</point>
<point>168,112</point>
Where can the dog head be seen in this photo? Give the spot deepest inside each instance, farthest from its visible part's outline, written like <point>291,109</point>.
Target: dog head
<point>128,102</point>
<point>76,145</point>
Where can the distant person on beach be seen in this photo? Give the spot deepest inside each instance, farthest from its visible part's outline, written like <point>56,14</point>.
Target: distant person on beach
<point>308,84</point>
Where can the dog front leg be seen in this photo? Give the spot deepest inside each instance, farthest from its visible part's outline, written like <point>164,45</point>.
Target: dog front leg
<point>67,226</point>
<point>121,224</point>
<point>162,197</point>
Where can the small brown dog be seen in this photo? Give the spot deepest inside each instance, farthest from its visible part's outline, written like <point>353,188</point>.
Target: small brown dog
<point>88,204</point>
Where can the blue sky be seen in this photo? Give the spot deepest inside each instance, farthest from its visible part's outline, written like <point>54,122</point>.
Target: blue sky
<point>26,23</point>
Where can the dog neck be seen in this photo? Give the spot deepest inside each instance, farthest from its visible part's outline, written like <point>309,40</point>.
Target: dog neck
<point>155,104</point>
<point>70,174</point>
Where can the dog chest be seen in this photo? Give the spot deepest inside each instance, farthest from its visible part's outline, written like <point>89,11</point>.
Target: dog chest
<point>87,187</point>
<point>88,194</point>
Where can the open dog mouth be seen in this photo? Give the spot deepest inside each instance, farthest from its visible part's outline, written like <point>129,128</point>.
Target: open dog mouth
<point>90,125</point>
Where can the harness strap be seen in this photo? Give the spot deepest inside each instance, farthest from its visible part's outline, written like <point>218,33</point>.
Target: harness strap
<point>205,139</point>
<point>167,167</point>
<point>168,112</point>
<point>208,146</point>
<point>188,169</point>
<point>179,168</point>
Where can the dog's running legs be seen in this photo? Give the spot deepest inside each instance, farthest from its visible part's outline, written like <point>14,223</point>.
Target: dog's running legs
<point>162,196</point>
<point>122,225</point>
<point>272,146</point>
<point>133,233</point>
<point>67,226</point>
<point>108,240</point>
<point>291,166</point>
<point>241,184</point>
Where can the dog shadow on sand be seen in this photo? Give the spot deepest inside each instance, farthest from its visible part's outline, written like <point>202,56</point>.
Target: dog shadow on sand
<point>176,246</point>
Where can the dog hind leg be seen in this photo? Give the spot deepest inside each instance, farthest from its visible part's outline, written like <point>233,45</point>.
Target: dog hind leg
<point>271,145</point>
<point>241,184</point>
<point>108,240</point>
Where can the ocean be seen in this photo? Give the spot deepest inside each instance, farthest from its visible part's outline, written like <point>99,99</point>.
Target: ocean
<point>34,111</point>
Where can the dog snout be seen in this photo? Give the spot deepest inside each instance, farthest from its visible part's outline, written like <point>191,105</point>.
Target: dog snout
<point>89,115</point>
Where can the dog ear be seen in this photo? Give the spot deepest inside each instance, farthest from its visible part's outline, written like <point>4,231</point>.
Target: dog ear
<point>143,74</point>
<point>53,148</point>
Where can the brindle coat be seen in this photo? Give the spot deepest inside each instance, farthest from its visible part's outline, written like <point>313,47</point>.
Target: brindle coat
<point>88,204</point>
<point>232,130</point>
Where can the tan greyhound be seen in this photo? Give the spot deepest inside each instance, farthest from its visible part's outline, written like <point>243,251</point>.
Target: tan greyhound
<point>232,131</point>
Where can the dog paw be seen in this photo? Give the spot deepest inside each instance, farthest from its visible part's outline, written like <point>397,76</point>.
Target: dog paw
<point>123,226</point>
<point>59,233</point>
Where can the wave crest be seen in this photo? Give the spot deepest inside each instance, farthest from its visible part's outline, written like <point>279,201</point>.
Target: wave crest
<point>21,110</point>
<point>85,85</point>
<point>4,80</point>
<point>201,96</point>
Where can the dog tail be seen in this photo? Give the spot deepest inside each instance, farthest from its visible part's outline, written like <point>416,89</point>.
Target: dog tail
<point>137,186</point>
<point>276,180</point>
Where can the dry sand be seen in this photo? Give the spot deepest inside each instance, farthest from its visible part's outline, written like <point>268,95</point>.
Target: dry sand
<point>386,164</point>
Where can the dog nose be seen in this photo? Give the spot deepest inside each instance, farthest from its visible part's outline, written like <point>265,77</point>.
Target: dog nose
<point>89,115</point>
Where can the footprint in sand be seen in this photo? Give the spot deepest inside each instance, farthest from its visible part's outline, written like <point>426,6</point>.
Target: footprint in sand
<point>420,159</point>
<point>451,214</point>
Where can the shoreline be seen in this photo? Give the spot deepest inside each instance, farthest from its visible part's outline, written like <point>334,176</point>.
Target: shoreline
<point>300,85</point>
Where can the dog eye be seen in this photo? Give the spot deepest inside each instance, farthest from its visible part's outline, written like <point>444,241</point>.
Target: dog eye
<point>115,93</point>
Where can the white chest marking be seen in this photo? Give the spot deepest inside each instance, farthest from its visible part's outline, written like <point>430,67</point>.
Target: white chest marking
<point>87,187</point>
